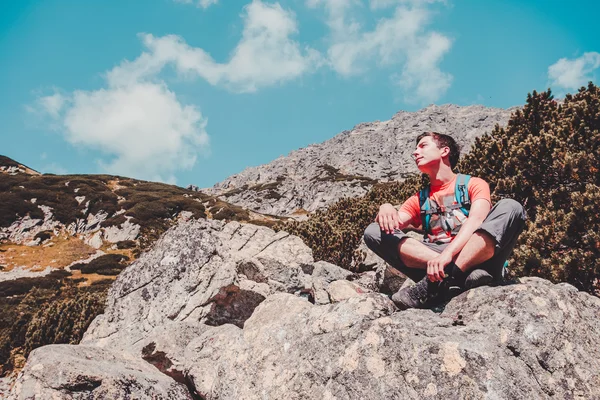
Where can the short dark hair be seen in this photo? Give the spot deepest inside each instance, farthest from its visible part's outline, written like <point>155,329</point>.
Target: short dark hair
<point>442,140</point>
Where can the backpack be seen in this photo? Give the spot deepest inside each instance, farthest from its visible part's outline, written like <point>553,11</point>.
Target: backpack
<point>462,201</point>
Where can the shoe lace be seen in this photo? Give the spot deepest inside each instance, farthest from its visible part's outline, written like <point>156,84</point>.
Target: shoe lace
<point>425,290</point>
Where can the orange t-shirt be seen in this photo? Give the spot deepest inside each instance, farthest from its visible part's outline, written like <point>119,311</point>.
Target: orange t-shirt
<point>446,225</point>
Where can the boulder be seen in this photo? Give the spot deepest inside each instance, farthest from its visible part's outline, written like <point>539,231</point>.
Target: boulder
<point>126,231</point>
<point>342,290</point>
<point>64,371</point>
<point>530,340</point>
<point>207,271</point>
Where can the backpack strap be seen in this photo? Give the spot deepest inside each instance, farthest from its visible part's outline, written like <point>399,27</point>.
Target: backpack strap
<point>462,193</point>
<point>425,208</point>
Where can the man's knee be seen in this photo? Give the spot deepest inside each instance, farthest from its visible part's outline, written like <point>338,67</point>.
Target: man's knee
<point>513,208</point>
<point>372,235</point>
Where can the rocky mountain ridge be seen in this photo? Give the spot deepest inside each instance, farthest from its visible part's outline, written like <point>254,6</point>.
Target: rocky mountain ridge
<point>350,163</point>
<point>11,167</point>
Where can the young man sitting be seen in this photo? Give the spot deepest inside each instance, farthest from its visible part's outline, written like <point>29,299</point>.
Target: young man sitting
<point>466,241</point>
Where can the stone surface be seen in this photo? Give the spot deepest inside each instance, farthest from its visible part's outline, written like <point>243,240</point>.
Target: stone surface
<point>233,311</point>
<point>126,231</point>
<point>343,290</point>
<point>533,340</point>
<point>210,272</point>
<point>63,371</point>
<point>305,180</point>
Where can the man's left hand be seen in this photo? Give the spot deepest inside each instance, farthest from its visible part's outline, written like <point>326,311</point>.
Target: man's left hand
<point>435,267</point>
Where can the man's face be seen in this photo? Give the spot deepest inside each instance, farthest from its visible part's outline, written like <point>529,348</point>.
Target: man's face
<point>428,154</point>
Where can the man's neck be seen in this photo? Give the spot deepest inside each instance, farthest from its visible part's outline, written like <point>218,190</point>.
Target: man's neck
<point>441,176</point>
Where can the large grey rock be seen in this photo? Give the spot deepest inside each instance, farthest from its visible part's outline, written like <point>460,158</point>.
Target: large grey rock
<point>350,163</point>
<point>79,372</point>
<point>210,272</point>
<point>275,356</point>
<point>126,231</point>
<point>533,340</point>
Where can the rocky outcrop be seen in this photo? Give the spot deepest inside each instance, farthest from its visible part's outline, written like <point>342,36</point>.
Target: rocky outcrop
<point>233,311</point>
<point>350,163</point>
<point>532,340</point>
<point>210,272</point>
<point>26,229</point>
<point>81,372</point>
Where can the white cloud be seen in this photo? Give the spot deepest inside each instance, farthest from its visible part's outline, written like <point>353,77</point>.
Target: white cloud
<point>377,4</point>
<point>51,105</point>
<point>200,3</point>
<point>265,55</point>
<point>141,127</point>
<point>421,74</point>
<point>571,74</point>
<point>401,40</point>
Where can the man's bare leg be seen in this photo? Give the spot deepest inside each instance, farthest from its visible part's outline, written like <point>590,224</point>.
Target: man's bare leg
<point>415,254</point>
<point>479,248</point>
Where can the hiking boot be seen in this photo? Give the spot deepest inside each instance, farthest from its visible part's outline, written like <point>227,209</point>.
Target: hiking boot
<point>423,294</point>
<point>450,288</point>
<point>478,277</point>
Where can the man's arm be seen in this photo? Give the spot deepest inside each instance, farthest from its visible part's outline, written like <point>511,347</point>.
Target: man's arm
<point>390,219</point>
<point>477,214</point>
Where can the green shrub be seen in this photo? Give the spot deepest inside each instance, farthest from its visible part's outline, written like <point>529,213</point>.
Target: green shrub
<point>46,316</point>
<point>126,244</point>
<point>108,264</point>
<point>21,286</point>
<point>43,235</point>
<point>547,158</point>
<point>64,320</point>
<point>230,212</point>
<point>8,162</point>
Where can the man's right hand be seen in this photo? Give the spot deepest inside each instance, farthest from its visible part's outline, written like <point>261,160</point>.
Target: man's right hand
<point>388,218</point>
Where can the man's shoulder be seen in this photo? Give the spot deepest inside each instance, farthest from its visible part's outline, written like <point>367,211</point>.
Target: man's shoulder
<point>477,180</point>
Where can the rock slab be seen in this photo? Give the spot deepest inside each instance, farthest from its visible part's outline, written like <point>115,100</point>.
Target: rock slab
<point>81,372</point>
<point>533,340</point>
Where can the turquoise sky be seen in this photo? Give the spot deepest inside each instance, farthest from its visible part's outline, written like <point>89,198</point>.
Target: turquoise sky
<point>191,92</point>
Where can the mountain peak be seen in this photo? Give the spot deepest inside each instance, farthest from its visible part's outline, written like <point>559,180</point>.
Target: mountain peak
<point>12,167</point>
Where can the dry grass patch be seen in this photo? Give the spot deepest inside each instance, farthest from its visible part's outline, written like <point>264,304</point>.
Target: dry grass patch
<point>63,252</point>
<point>114,185</point>
<point>83,280</point>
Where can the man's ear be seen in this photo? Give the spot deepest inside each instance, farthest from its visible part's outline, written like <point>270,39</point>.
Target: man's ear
<point>445,151</point>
